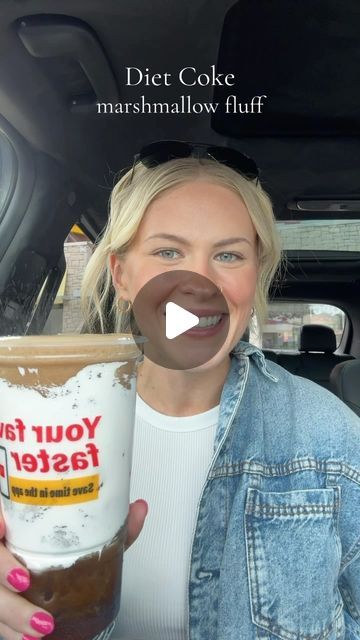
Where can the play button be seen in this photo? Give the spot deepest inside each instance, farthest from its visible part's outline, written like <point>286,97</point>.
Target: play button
<point>178,320</point>
<point>184,318</point>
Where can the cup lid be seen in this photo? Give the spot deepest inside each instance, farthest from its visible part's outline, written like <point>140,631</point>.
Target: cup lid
<point>70,347</point>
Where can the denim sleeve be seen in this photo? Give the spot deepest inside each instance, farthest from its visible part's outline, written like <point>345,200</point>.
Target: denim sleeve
<point>349,585</point>
<point>349,529</point>
<point>351,628</point>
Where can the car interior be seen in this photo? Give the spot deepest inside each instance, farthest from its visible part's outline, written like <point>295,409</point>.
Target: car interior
<point>85,85</point>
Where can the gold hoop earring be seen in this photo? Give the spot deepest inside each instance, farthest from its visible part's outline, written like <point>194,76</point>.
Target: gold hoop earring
<point>128,308</point>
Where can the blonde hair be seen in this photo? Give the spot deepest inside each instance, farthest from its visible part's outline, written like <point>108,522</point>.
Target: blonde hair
<point>129,200</point>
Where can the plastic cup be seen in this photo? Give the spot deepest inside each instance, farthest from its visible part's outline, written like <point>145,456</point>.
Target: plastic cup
<point>66,430</point>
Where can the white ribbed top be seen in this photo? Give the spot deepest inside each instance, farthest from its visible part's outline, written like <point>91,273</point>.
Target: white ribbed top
<point>171,457</point>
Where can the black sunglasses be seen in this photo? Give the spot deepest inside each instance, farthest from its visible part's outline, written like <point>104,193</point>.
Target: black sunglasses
<point>163,151</point>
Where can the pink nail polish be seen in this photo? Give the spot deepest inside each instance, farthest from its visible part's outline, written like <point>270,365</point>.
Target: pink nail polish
<point>26,637</point>
<point>19,579</point>
<point>42,622</point>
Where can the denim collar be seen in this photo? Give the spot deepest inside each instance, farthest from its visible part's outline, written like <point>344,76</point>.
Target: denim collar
<point>245,349</point>
<point>235,383</point>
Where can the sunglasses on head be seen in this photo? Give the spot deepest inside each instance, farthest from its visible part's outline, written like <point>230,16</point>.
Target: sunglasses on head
<point>163,151</point>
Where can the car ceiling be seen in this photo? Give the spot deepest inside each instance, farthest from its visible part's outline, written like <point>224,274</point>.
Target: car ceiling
<point>304,56</point>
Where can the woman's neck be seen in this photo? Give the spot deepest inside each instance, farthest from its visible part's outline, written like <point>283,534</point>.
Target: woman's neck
<point>181,393</point>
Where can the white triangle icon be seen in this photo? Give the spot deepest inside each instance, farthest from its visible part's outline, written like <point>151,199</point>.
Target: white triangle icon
<point>178,320</point>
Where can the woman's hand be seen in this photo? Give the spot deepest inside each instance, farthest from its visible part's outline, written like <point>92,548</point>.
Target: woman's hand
<point>18,617</point>
<point>136,519</point>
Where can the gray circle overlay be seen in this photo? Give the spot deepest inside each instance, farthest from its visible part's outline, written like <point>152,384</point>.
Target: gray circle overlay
<point>194,293</point>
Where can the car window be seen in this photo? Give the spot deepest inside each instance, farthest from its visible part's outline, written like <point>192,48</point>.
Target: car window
<point>323,235</point>
<point>65,316</point>
<point>285,319</point>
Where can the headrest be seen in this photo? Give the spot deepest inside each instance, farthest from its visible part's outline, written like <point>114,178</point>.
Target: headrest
<point>317,337</point>
<point>345,383</point>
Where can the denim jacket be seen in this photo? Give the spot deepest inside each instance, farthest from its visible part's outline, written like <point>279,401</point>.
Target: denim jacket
<point>276,547</point>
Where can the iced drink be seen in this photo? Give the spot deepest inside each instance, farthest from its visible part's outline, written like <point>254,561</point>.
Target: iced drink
<point>66,428</point>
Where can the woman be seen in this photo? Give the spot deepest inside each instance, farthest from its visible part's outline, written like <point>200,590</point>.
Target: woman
<point>251,474</point>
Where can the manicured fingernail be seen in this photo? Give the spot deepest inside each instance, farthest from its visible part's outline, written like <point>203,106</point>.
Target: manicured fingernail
<point>42,622</point>
<point>19,579</point>
<point>29,638</point>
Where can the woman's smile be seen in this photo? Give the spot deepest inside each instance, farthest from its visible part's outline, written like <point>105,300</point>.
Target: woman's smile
<point>210,322</point>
